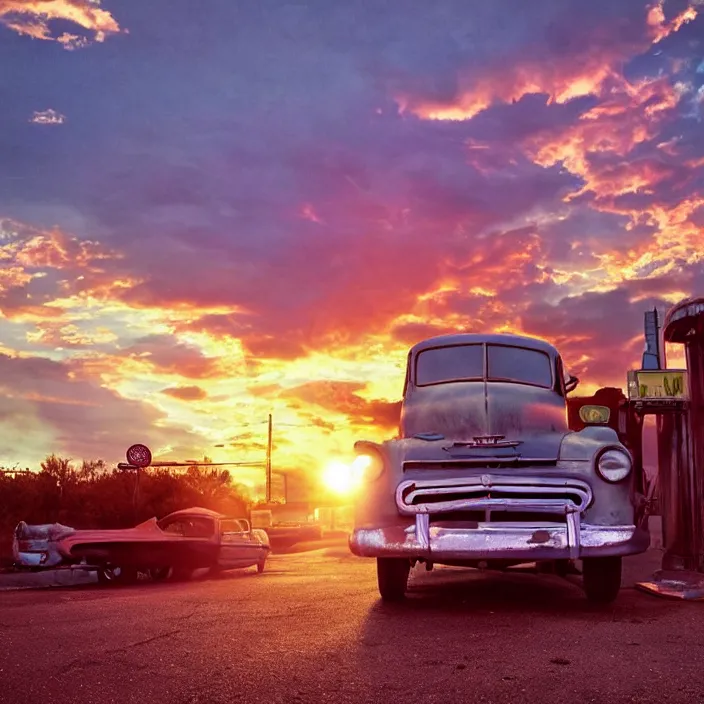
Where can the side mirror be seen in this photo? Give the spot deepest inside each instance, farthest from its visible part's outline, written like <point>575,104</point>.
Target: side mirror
<point>571,384</point>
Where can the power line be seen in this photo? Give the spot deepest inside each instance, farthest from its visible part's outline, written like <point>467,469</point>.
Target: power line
<point>269,447</point>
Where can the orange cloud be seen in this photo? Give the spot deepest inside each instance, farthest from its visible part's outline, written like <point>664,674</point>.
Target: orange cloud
<point>31,18</point>
<point>46,267</point>
<point>658,25</point>
<point>562,84</point>
<point>342,397</point>
<point>585,73</point>
<point>186,393</point>
<point>61,334</point>
<point>599,149</point>
<point>628,117</point>
<point>677,238</point>
<point>35,248</point>
<point>13,277</point>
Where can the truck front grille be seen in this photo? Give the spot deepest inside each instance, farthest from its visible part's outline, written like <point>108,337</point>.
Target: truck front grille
<point>487,494</point>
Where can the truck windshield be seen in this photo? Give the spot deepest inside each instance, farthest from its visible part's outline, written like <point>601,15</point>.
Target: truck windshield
<point>441,365</point>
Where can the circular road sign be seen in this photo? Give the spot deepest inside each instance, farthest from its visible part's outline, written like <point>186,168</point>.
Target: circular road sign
<point>139,456</point>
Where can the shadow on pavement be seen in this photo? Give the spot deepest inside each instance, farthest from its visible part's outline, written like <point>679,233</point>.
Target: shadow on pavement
<point>87,581</point>
<point>491,595</point>
<point>462,635</point>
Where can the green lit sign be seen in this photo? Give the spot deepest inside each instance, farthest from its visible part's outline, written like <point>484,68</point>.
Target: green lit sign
<point>594,415</point>
<point>658,384</point>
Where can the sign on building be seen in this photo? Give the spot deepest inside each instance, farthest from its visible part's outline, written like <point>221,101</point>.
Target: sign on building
<point>661,385</point>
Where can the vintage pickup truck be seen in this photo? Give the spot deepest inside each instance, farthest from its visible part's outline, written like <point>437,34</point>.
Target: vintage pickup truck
<point>174,546</point>
<point>487,473</point>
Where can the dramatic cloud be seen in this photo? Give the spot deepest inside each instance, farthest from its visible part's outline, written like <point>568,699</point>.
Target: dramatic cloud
<point>342,398</point>
<point>582,64</point>
<point>31,18</point>
<point>262,215</point>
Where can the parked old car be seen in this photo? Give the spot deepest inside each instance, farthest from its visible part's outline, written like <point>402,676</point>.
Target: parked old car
<point>175,546</point>
<point>487,473</point>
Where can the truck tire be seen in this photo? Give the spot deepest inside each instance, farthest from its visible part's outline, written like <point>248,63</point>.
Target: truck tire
<point>601,578</point>
<point>392,577</point>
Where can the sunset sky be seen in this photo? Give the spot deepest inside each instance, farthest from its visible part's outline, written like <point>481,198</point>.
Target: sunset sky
<point>210,215</point>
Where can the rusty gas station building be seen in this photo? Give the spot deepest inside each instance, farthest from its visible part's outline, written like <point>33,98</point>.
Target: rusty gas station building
<point>675,397</point>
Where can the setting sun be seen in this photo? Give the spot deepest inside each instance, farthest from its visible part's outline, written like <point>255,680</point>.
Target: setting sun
<point>337,477</point>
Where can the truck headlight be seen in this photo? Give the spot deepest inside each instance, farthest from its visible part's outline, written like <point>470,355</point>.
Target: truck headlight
<point>367,467</point>
<point>614,465</point>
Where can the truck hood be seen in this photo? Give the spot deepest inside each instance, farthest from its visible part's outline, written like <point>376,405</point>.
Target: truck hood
<point>535,446</point>
<point>464,410</point>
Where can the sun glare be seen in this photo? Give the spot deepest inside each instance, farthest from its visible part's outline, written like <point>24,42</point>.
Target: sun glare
<point>337,477</point>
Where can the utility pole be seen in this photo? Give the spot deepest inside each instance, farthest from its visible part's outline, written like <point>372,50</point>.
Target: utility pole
<point>268,464</point>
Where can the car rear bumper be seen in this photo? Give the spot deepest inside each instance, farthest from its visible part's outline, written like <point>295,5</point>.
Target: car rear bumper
<point>505,541</point>
<point>47,557</point>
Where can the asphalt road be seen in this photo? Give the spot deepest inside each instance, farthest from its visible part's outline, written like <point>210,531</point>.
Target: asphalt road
<point>311,629</point>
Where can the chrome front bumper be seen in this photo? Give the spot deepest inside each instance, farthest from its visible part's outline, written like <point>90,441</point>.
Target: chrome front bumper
<point>504,541</point>
<point>490,539</point>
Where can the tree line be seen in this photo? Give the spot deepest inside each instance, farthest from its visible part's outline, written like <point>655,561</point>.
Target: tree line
<point>94,496</point>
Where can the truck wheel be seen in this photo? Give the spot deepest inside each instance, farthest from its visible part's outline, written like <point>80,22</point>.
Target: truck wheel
<point>602,578</point>
<point>392,577</point>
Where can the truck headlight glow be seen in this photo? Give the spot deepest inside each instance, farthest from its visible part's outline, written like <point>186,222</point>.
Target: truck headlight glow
<point>613,465</point>
<point>367,467</point>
